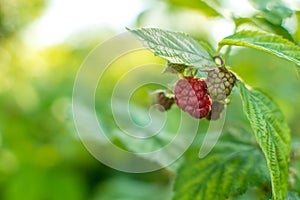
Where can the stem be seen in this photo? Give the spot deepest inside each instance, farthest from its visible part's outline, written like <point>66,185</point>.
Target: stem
<point>227,52</point>
<point>218,51</point>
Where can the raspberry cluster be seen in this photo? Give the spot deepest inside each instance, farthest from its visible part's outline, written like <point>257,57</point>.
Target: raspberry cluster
<point>205,98</point>
<point>191,96</point>
<point>200,97</point>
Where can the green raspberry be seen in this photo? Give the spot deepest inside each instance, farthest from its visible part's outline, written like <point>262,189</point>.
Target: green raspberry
<point>220,82</point>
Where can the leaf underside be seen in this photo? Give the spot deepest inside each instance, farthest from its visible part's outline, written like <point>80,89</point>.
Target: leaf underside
<point>175,47</point>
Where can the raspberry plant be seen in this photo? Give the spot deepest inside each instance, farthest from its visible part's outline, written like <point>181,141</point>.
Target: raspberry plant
<point>236,164</point>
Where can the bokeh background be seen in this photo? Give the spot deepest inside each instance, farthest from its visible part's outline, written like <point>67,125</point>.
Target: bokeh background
<point>42,45</point>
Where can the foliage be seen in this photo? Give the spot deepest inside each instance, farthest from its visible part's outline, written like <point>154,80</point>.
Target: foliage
<point>269,43</point>
<point>269,126</point>
<point>270,129</point>
<point>175,47</point>
<point>272,134</point>
<point>41,157</point>
<point>234,163</point>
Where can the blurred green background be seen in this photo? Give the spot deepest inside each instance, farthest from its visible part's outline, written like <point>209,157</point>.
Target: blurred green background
<point>41,157</point>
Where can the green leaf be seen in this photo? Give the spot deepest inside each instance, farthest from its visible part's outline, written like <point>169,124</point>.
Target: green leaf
<point>272,10</point>
<point>233,164</point>
<point>272,134</point>
<point>266,42</point>
<point>175,47</point>
<point>197,5</point>
<point>265,25</point>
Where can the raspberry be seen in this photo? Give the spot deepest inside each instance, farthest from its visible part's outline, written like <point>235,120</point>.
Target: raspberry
<point>192,97</point>
<point>220,83</point>
<point>216,110</point>
<point>165,102</point>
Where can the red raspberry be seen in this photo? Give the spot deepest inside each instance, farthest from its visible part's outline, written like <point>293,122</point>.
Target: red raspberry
<point>192,97</point>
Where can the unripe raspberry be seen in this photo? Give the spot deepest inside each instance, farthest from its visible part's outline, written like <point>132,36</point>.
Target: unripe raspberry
<point>216,110</point>
<point>220,83</point>
<point>165,101</point>
<point>192,97</point>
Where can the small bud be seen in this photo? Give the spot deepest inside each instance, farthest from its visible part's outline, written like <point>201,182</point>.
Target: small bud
<point>164,101</point>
